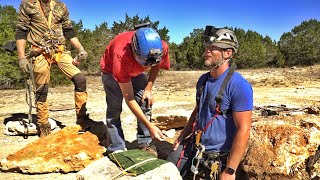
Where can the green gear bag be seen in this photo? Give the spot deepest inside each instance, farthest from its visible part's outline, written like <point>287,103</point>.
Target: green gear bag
<point>136,161</point>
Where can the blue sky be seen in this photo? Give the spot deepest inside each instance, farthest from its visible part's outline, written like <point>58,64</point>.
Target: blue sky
<point>267,17</point>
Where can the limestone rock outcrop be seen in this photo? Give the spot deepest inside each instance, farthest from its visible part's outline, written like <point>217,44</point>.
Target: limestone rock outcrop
<point>280,149</point>
<point>171,122</point>
<point>62,151</point>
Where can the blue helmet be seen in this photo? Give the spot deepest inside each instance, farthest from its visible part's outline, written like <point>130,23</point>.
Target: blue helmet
<point>147,46</point>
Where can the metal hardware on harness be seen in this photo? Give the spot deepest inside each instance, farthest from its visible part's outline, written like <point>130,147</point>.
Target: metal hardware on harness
<point>51,53</point>
<point>47,50</point>
<point>213,161</point>
<point>214,170</point>
<point>214,155</point>
<point>51,48</point>
<point>198,137</point>
<point>198,156</point>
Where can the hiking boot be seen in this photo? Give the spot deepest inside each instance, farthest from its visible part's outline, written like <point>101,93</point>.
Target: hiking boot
<point>45,130</point>
<point>83,119</point>
<point>150,148</point>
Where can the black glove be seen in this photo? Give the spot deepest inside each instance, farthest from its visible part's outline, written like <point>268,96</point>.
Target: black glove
<point>24,64</point>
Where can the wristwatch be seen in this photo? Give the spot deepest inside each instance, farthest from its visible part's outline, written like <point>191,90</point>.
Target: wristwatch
<point>230,171</point>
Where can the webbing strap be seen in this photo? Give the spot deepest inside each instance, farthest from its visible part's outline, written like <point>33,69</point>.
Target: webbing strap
<point>223,86</point>
<point>182,154</point>
<point>200,91</point>
<point>210,122</point>
<point>49,21</point>
<point>52,3</point>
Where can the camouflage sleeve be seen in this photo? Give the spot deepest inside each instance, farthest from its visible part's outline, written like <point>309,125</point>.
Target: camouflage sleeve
<point>23,17</point>
<point>66,22</point>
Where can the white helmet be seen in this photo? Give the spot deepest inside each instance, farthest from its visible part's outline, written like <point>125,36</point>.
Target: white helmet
<point>222,38</point>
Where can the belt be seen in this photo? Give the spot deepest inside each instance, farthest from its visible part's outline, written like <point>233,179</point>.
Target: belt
<point>214,155</point>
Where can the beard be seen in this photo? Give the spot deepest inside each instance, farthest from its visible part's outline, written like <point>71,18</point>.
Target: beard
<point>213,64</point>
<point>209,62</point>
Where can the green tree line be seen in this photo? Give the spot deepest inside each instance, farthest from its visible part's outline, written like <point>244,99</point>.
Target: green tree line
<point>299,47</point>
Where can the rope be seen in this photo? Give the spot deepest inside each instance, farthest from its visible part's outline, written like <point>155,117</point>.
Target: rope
<point>133,166</point>
<point>30,84</point>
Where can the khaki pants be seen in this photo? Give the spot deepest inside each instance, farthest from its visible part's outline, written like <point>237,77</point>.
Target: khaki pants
<point>41,72</point>
<point>41,68</point>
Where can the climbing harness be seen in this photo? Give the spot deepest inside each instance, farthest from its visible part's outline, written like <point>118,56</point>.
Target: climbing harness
<point>51,49</point>
<point>214,164</point>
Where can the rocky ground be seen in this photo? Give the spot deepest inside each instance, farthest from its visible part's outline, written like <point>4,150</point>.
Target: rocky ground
<point>174,92</point>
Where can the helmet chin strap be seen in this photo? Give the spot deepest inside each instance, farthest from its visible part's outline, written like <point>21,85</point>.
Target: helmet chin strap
<point>219,64</point>
<point>213,66</point>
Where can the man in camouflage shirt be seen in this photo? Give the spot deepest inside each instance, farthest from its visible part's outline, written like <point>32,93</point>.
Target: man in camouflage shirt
<point>45,24</point>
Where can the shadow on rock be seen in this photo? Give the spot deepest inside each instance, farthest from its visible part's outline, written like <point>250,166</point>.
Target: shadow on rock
<point>164,148</point>
<point>99,129</point>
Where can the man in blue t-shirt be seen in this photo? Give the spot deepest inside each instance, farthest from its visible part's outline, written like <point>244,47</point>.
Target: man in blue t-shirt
<point>220,123</point>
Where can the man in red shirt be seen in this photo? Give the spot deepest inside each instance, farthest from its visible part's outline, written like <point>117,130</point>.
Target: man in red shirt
<point>123,64</point>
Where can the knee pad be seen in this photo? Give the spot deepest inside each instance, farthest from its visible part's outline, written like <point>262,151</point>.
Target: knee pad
<point>42,92</point>
<point>79,81</point>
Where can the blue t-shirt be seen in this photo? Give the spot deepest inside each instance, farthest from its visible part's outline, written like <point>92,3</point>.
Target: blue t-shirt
<point>238,96</point>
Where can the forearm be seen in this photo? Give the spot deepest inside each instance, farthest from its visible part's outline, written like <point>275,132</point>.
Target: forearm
<point>152,77</point>
<point>238,147</point>
<point>75,43</point>
<point>21,45</point>
<point>136,110</point>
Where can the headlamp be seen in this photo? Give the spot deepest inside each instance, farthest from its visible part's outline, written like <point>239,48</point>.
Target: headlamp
<point>154,58</point>
<point>210,35</point>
